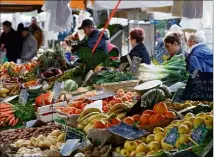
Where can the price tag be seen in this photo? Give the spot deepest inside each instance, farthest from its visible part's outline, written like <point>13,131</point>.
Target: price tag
<point>72,133</point>
<point>88,76</point>
<point>23,97</point>
<point>199,134</point>
<point>127,131</point>
<point>178,96</point>
<point>57,90</point>
<point>134,65</point>
<point>122,66</point>
<point>69,147</point>
<point>171,136</point>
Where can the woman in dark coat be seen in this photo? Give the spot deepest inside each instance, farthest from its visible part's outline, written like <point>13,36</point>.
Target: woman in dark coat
<point>138,48</point>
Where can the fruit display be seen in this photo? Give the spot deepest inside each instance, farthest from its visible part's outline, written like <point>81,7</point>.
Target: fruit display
<point>44,99</point>
<point>155,142</point>
<point>13,135</point>
<point>9,89</point>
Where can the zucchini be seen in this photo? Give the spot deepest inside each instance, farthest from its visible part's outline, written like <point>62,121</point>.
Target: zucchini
<point>166,91</point>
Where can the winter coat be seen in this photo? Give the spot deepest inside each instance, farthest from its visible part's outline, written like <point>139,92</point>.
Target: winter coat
<point>138,51</point>
<point>29,48</point>
<point>200,58</point>
<point>13,45</point>
<point>38,35</point>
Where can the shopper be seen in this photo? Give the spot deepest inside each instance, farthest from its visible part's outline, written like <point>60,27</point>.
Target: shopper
<point>138,48</point>
<point>19,30</point>
<point>36,32</point>
<point>173,45</point>
<point>200,56</point>
<point>29,47</point>
<point>10,42</point>
<point>93,34</point>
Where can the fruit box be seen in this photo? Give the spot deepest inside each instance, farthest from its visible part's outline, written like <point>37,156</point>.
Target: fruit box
<point>50,108</point>
<point>47,117</point>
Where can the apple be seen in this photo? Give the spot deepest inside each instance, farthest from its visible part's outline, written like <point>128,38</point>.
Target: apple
<point>201,115</point>
<point>133,154</point>
<point>191,120</point>
<point>150,138</point>
<point>184,138</point>
<point>159,136</point>
<point>126,144</point>
<point>179,122</point>
<point>138,142</point>
<point>142,148</point>
<point>158,129</point>
<point>188,124</point>
<point>143,139</point>
<point>140,154</point>
<point>188,115</point>
<point>131,146</point>
<point>154,146</point>
<point>125,153</point>
<point>174,122</point>
<point>118,149</point>
<point>208,119</point>
<point>182,129</point>
<point>198,121</point>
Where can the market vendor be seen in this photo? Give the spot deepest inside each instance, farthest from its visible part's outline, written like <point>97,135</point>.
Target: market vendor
<point>173,45</point>
<point>138,48</point>
<point>200,56</point>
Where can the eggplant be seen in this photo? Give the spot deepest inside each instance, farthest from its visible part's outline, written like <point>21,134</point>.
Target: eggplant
<point>48,74</point>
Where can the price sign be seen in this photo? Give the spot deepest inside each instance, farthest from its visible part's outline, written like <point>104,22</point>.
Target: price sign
<point>69,147</point>
<point>72,133</point>
<point>122,66</point>
<point>57,90</point>
<point>134,65</point>
<point>178,96</point>
<point>23,97</point>
<point>199,88</point>
<point>199,134</point>
<point>171,136</point>
<point>127,131</point>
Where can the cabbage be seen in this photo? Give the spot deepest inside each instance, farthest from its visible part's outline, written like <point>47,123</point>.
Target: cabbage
<point>70,86</point>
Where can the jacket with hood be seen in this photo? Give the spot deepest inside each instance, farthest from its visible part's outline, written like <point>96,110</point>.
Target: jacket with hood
<point>201,59</point>
<point>93,37</point>
<point>138,51</point>
<point>29,47</point>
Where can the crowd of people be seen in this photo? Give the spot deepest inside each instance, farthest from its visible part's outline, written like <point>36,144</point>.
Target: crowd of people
<point>21,44</point>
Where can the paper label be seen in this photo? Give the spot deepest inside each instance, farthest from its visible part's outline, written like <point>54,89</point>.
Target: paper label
<point>72,133</point>
<point>23,97</point>
<point>69,147</point>
<point>57,90</point>
<point>134,65</point>
<point>96,104</point>
<point>199,134</point>
<point>171,136</point>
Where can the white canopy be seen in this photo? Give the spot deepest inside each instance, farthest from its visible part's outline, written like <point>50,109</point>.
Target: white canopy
<point>103,5</point>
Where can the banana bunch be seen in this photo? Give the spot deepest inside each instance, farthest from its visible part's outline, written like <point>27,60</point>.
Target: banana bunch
<point>119,110</point>
<point>87,118</point>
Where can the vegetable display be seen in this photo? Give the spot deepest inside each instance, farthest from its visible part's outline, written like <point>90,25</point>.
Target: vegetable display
<point>70,85</point>
<point>109,77</point>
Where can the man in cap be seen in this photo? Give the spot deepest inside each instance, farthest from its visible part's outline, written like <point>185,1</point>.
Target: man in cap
<point>93,34</point>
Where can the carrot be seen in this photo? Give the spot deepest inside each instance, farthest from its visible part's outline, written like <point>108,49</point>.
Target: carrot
<point>4,106</point>
<point>10,117</point>
<point>5,110</point>
<point>11,121</point>
<point>15,122</point>
<point>8,112</point>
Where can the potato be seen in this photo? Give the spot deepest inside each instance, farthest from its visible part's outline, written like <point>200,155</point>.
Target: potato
<point>33,141</point>
<point>45,143</point>
<point>55,133</point>
<point>104,149</point>
<point>52,153</point>
<point>89,148</point>
<point>41,137</point>
<point>36,150</point>
<point>61,137</point>
<point>53,147</point>
<point>87,153</point>
<point>96,153</point>
<point>52,140</point>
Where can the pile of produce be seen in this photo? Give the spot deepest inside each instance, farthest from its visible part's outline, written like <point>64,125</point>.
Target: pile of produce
<point>171,72</point>
<point>12,114</point>
<point>44,99</point>
<point>9,89</point>
<point>114,76</point>
<point>155,142</point>
<point>13,135</point>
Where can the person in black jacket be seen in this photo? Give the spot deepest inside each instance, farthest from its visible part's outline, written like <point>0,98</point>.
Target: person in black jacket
<point>138,48</point>
<point>10,41</point>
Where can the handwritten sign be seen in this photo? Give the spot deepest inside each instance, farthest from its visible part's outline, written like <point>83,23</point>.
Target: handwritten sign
<point>69,147</point>
<point>134,65</point>
<point>178,96</point>
<point>57,89</point>
<point>199,88</point>
<point>171,136</point>
<point>127,131</point>
<point>72,133</point>
<point>23,97</point>
<point>199,134</point>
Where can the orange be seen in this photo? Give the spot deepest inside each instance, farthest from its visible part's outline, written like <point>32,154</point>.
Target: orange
<point>161,108</point>
<point>78,111</point>
<point>105,109</point>
<point>125,98</point>
<point>170,114</point>
<point>108,125</point>
<point>99,124</point>
<point>78,104</point>
<point>130,94</point>
<point>136,117</point>
<point>128,120</point>
<point>118,100</point>
<point>144,119</point>
<point>158,118</point>
<point>151,119</point>
<point>115,121</point>
<point>150,112</point>
<point>155,107</point>
<point>112,103</point>
<point>120,91</point>
<point>105,103</point>
<point>83,105</point>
